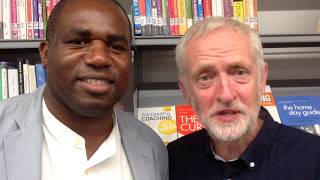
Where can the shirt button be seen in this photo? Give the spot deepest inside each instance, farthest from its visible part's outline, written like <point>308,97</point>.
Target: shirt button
<point>252,164</point>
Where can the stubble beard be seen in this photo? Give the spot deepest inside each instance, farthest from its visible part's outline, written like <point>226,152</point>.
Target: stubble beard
<point>230,131</point>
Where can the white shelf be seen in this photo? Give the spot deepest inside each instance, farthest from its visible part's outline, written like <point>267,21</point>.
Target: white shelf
<point>19,44</point>
<point>167,40</point>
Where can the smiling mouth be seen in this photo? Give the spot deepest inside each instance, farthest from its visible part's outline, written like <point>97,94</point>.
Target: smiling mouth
<point>96,81</point>
<point>96,86</point>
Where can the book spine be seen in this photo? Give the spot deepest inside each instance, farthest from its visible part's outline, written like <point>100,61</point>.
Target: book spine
<point>32,78</point>
<point>41,25</point>
<point>246,12</point>
<point>238,10</point>
<point>159,22</point>
<point>228,8</point>
<point>40,75</point>
<point>149,26</point>
<point>48,8</point>
<point>21,19</point>
<point>171,17</point>
<point>36,34</point>
<point>1,20</point>
<point>13,86</point>
<point>254,11</point>
<point>4,82</point>
<point>20,76</point>
<point>6,5</point>
<point>200,10</point>
<point>14,25</point>
<point>29,20</point>
<point>219,7</point>
<point>214,10</point>
<point>182,14</point>
<point>195,11</point>
<point>44,17</point>
<point>189,13</point>
<point>26,77</point>
<point>154,17</point>
<point>207,8</point>
<point>1,83</point>
<point>176,16</point>
<point>165,18</point>
<point>143,16</point>
<point>136,18</point>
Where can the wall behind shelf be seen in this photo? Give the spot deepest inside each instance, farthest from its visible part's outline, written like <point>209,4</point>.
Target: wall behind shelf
<point>158,65</point>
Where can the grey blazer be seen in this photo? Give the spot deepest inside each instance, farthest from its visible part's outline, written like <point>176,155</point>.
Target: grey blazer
<point>21,137</point>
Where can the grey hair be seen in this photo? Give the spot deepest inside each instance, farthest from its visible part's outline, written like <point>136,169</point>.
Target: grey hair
<point>202,28</point>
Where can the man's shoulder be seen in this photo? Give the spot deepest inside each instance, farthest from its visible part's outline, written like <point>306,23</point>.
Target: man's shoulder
<point>189,141</point>
<point>300,141</point>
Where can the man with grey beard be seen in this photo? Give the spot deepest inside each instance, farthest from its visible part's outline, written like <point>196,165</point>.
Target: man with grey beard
<point>222,74</point>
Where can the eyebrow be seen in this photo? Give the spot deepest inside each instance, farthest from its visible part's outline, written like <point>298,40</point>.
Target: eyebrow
<point>80,32</point>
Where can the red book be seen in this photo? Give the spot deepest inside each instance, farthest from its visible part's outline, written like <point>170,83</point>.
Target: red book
<point>207,8</point>
<point>187,120</point>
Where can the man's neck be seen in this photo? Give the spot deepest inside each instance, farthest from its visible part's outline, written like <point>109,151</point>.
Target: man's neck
<point>234,149</point>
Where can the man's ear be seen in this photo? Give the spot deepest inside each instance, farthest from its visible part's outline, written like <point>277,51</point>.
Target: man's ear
<point>184,91</point>
<point>43,50</point>
<point>264,75</point>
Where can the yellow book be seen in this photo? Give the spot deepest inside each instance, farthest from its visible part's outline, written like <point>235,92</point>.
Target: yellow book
<point>238,10</point>
<point>182,15</point>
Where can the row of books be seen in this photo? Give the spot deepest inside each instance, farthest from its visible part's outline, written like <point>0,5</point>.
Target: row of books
<point>20,78</point>
<point>174,17</point>
<point>172,122</point>
<point>24,19</point>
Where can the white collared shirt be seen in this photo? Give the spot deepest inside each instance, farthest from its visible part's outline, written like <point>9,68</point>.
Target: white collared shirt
<point>64,154</point>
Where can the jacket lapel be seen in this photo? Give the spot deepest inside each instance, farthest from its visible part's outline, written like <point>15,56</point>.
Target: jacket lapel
<point>23,154</point>
<point>138,150</point>
<point>23,146</point>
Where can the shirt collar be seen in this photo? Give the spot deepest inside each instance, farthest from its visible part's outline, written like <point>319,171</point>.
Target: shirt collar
<point>63,134</point>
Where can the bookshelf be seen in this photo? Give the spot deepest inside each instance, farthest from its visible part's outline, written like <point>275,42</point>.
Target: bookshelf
<point>286,43</point>
<point>291,48</point>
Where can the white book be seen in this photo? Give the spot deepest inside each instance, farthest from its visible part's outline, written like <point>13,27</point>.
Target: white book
<point>4,80</point>
<point>13,85</point>
<point>268,102</point>
<point>21,19</point>
<point>6,9</point>
<point>26,78</point>
<point>217,8</point>
<point>220,7</point>
<point>162,120</point>
<point>32,77</point>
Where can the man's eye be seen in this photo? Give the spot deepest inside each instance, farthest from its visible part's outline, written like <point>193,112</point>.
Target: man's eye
<point>241,75</point>
<point>204,77</point>
<point>204,80</point>
<point>117,47</point>
<point>77,42</point>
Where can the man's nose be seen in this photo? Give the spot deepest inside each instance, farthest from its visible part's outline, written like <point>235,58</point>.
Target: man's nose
<point>226,91</point>
<point>98,54</point>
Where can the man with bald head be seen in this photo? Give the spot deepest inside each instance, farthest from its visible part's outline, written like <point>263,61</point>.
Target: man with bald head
<point>69,129</point>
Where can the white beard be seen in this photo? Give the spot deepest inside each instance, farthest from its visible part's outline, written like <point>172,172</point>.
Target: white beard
<point>234,130</point>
